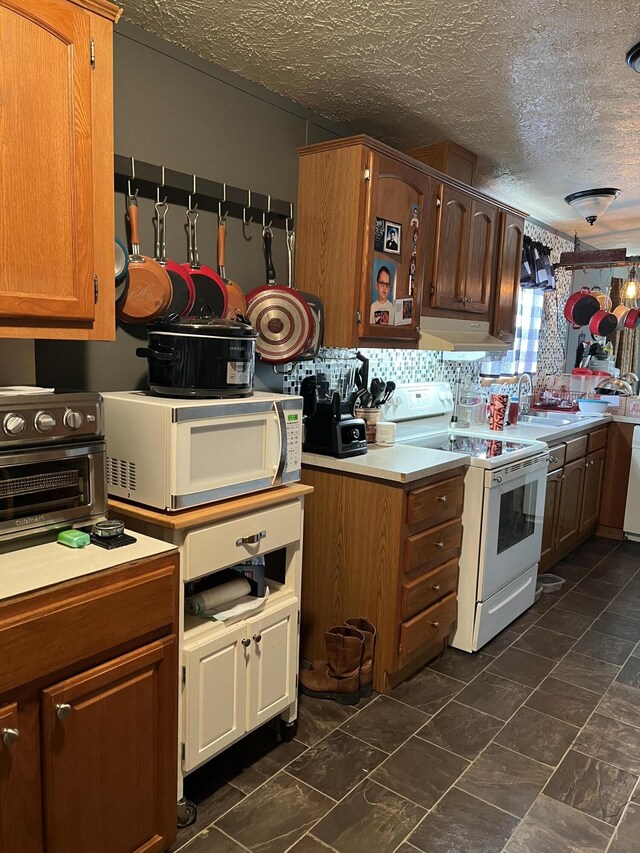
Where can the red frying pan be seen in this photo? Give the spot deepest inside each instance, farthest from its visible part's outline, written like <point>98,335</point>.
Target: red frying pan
<point>280,315</point>
<point>149,292</point>
<point>236,301</point>
<point>211,293</point>
<point>580,307</point>
<point>184,290</point>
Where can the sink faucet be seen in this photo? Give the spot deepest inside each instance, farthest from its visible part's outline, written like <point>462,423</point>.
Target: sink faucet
<point>524,406</point>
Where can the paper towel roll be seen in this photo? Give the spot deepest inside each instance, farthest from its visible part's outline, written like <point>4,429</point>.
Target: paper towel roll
<point>218,596</point>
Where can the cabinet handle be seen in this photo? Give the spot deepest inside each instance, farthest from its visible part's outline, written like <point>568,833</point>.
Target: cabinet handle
<point>442,498</point>
<point>436,587</point>
<point>257,637</point>
<point>562,477</point>
<point>553,459</point>
<point>439,544</point>
<point>9,736</point>
<point>251,540</point>
<point>63,710</point>
<point>500,334</point>
<point>436,624</point>
<point>246,642</point>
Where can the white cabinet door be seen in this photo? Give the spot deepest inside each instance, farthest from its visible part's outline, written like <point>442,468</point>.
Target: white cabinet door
<point>273,662</point>
<point>215,694</point>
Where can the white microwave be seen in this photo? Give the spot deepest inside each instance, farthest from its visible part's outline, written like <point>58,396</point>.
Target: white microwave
<point>173,454</point>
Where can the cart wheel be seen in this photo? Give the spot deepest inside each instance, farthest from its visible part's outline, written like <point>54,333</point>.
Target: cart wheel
<point>286,731</point>
<point>187,813</point>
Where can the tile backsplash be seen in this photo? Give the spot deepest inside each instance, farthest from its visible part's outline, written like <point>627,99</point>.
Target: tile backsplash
<point>400,365</point>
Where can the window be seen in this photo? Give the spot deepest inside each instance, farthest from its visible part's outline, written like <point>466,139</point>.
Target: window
<point>524,356</point>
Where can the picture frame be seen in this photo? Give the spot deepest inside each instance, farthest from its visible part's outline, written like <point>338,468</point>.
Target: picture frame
<point>392,237</point>
<point>383,288</point>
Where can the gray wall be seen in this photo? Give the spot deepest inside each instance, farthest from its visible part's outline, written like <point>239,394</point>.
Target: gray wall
<point>177,110</point>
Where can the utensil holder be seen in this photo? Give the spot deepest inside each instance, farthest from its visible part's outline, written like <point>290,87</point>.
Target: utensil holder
<point>370,418</point>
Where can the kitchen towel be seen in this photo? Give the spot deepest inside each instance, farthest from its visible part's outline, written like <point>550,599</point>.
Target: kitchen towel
<point>217,596</point>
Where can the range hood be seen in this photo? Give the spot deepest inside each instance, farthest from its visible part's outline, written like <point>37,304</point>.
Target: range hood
<point>458,336</point>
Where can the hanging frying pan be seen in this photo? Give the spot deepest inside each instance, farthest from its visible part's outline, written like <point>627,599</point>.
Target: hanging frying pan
<point>184,290</point>
<point>632,319</point>
<point>121,265</point>
<point>314,302</point>
<point>211,294</point>
<point>280,315</point>
<point>149,292</point>
<point>603,323</point>
<point>580,307</point>
<point>236,301</point>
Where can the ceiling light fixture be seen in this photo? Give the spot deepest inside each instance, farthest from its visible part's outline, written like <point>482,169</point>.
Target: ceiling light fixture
<point>630,287</point>
<point>591,204</point>
<point>633,57</point>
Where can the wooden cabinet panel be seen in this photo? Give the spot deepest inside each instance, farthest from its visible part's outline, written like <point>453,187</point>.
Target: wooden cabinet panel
<point>592,492</point>
<point>436,503</point>
<point>272,664</point>
<point>575,448</point>
<point>597,439</point>
<point>433,624</point>
<point>20,819</point>
<point>109,746</point>
<point>616,475</point>
<point>570,501</point>
<point>481,258</point>
<point>214,666</point>
<point>47,245</point>
<point>557,457</point>
<point>424,590</point>
<point>451,247</point>
<point>432,547</point>
<point>395,191</point>
<point>508,276</point>
<point>551,505</point>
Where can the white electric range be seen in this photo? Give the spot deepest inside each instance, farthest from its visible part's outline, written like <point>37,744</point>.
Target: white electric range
<point>503,510</point>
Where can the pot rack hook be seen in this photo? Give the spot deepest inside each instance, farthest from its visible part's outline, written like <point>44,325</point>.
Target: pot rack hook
<point>244,217</point>
<point>132,195</point>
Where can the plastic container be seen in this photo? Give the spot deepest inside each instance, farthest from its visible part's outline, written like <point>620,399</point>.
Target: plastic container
<point>514,411</point>
<point>584,381</point>
<point>593,407</point>
<point>550,583</point>
<point>385,433</point>
<point>538,593</point>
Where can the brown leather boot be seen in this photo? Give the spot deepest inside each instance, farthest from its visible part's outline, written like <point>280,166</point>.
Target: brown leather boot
<point>339,677</point>
<point>368,629</point>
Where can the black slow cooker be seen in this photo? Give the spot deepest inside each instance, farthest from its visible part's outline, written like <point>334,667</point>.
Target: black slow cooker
<point>200,357</point>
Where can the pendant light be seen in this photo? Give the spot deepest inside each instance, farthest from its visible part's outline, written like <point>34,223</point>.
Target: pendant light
<point>591,204</point>
<point>629,289</point>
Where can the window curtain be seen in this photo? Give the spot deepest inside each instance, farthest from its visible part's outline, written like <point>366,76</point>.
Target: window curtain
<point>524,356</point>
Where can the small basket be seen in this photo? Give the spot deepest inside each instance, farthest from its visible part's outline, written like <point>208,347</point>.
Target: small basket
<point>550,583</point>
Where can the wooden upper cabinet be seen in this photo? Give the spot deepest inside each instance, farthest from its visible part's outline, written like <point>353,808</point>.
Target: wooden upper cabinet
<point>396,207</point>
<point>481,262</point>
<point>50,172</point>
<point>508,277</point>
<point>450,249</point>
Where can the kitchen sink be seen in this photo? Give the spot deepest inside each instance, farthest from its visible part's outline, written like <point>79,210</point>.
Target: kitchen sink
<point>545,419</point>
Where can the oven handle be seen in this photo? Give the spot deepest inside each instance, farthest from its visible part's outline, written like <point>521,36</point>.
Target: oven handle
<point>61,452</point>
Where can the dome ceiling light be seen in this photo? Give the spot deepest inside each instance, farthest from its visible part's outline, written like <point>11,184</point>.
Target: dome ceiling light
<point>591,204</point>
<point>633,57</point>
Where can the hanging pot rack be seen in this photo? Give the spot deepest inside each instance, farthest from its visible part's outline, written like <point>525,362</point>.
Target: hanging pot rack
<point>210,195</point>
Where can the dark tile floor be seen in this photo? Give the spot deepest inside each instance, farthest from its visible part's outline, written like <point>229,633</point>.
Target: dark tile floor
<point>531,746</point>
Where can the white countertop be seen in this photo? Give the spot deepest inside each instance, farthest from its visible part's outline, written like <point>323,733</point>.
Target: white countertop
<point>627,419</point>
<point>543,432</point>
<point>399,464</point>
<point>32,568</point>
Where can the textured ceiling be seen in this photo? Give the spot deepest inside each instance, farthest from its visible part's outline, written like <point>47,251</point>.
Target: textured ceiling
<point>539,89</point>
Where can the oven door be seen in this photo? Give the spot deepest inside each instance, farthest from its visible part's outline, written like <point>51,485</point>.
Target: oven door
<point>51,487</point>
<point>512,518</point>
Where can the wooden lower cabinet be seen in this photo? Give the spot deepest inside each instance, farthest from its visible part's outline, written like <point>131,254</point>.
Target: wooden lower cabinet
<point>574,495</point>
<point>88,749</point>
<point>374,551</point>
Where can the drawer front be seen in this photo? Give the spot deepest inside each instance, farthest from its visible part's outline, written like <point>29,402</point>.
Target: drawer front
<point>219,545</point>
<point>557,456</point>
<point>427,589</point>
<point>435,504</point>
<point>88,623</point>
<point>597,439</point>
<point>433,547</point>
<point>433,624</point>
<point>576,448</point>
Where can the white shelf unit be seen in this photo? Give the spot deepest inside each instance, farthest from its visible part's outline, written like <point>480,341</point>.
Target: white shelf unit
<point>231,681</point>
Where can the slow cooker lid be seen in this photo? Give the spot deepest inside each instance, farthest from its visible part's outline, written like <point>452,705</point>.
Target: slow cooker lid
<point>214,326</point>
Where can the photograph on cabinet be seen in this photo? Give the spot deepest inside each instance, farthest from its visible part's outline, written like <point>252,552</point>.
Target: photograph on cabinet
<point>392,237</point>
<point>383,288</point>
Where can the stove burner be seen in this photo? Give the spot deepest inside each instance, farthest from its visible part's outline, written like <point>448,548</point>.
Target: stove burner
<point>473,445</point>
